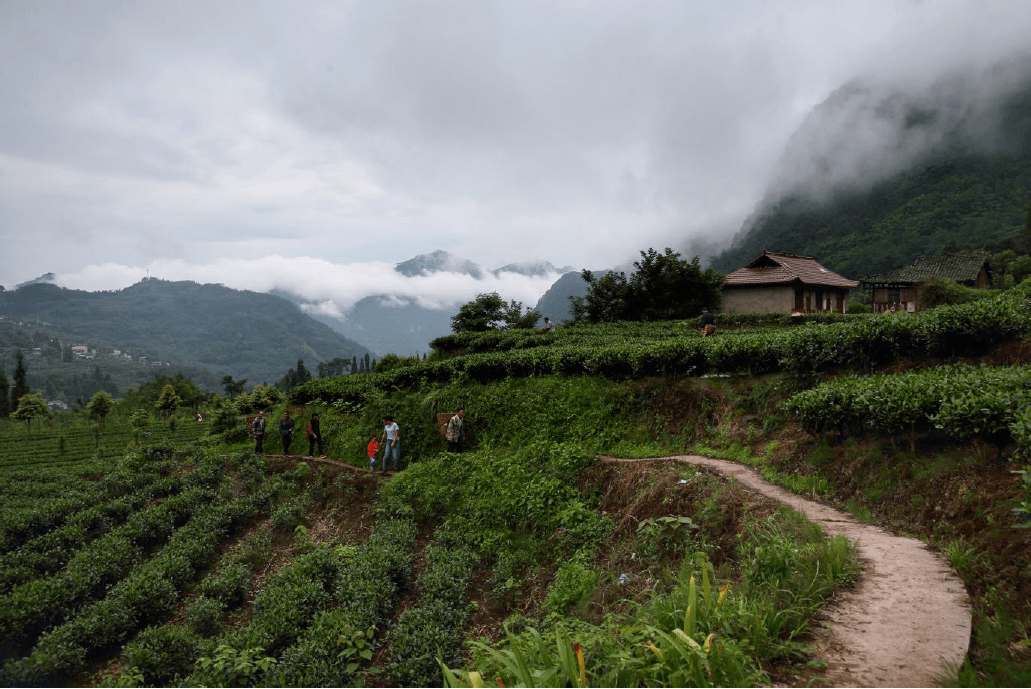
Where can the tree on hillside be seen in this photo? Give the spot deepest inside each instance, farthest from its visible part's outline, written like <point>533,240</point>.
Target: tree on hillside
<point>233,387</point>
<point>664,287</point>
<point>354,364</point>
<point>169,400</point>
<point>294,376</point>
<point>31,406</point>
<point>99,406</point>
<point>21,385</point>
<point>5,396</point>
<point>490,312</point>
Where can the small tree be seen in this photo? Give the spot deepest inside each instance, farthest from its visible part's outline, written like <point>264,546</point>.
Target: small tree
<point>99,406</point>
<point>31,406</point>
<point>233,387</point>
<point>169,400</point>
<point>5,396</point>
<point>139,420</point>
<point>21,385</point>
<point>490,312</point>
<point>664,287</point>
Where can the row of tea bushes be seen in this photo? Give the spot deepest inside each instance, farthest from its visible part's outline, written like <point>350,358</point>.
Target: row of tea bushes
<point>963,401</point>
<point>859,345</point>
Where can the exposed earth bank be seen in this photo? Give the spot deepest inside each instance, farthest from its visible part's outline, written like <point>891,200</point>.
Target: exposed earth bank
<point>907,619</point>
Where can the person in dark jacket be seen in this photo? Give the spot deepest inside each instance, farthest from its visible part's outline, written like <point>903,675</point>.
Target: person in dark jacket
<point>456,431</point>
<point>286,430</point>
<point>707,323</point>
<point>314,435</point>
<point>258,431</point>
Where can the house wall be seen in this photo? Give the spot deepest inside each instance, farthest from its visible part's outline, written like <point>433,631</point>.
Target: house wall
<point>776,299</point>
<point>903,299</point>
<point>782,299</point>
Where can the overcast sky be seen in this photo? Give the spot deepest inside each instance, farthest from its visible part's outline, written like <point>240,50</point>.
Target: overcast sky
<point>313,145</point>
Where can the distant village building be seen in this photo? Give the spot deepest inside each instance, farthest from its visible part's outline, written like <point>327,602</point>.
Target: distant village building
<point>899,289</point>
<point>785,283</point>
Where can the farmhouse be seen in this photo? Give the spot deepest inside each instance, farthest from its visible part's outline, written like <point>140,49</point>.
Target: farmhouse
<point>899,290</point>
<point>785,283</point>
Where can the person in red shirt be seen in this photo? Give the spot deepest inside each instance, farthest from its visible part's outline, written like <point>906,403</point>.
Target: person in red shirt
<point>373,449</point>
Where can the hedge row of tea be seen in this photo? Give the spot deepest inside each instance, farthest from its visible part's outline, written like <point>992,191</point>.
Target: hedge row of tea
<point>963,401</point>
<point>856,345</point>
<point>623,331</point>
<point>69,445</point>
<point>132,575</point>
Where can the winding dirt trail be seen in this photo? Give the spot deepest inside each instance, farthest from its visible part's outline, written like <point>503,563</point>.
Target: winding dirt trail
<point>907,618</point>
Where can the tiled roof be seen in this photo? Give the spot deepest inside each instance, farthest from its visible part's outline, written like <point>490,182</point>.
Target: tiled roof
<point>782,269</point>
<point>956,267</point>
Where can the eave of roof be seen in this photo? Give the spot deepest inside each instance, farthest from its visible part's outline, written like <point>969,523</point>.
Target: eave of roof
<point>789,268</point>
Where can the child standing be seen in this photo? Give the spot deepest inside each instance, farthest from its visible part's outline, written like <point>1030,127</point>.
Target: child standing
<point>373,449</point>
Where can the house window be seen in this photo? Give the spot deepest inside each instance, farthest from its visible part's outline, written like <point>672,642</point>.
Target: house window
<point>894,296</point>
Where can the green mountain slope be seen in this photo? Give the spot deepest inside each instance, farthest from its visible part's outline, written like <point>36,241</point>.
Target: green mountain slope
<point>970,187</point>
<point>240,333</point>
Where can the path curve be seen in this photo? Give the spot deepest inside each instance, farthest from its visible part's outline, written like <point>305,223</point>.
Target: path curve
<point>906,620</point>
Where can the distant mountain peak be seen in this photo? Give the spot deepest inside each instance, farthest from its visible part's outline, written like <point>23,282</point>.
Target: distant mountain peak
<point>438,262</point>
<point>45,279</point>
<point>532,269</point>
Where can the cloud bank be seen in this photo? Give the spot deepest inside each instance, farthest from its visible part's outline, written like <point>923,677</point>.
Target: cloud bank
<point>330,289</point>
<point>202,139</point>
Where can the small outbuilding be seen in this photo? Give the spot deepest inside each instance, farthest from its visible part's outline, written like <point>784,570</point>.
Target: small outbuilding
<point>899,289</point>
<point>786,283</point>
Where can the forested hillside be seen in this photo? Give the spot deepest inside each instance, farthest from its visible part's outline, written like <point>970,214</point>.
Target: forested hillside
<point>185,324</point>
<point>970,189</point>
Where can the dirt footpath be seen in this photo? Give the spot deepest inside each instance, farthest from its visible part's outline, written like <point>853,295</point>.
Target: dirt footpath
<point>908,617</point>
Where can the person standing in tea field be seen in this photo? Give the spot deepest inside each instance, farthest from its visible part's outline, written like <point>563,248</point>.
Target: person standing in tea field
<point>258,431</point>
<point>286,430</point>
<point>314,435</point>
<point>456,431</point>
<point>391,441</point>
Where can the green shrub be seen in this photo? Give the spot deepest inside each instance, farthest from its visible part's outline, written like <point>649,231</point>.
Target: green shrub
<point>574,582</point>
<point>163,654</point>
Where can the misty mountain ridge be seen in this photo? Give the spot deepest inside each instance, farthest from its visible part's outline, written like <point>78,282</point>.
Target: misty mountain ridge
<point>441,261</point>
<point>877,176</point>
<point>393,324</point>
<point>212,327</point>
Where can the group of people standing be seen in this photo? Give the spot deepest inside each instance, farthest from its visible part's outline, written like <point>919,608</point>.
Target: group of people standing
<point>389,441</point>
<point>286,433</point>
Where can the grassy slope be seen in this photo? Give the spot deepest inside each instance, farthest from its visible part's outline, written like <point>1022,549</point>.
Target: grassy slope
<point>954,497</point>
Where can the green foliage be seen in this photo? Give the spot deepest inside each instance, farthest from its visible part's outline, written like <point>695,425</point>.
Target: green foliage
<point>231,667</point>
<point>490,312</point>
<point>1022,511</point>
<point>946,292</point>
<point>31,406</point>
<point>663,536</point>
<point>161,654</point>
<point>168,400</point>
<point>697,633</point>
<point>664,287</point>
<point>99,406</point>
<point>261,398</point>
<point>963,401</point>
<point>574,582</point>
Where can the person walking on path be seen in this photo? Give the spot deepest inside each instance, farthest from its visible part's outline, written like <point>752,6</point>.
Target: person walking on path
<point>286,430</point>
<point>391,441</point>
<point>373,449</point>
<point>456,431</point>
<point>258,431</point>
<point>314,436</point>
<point>707,321</point>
